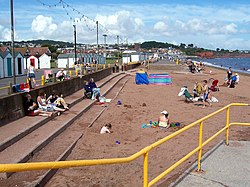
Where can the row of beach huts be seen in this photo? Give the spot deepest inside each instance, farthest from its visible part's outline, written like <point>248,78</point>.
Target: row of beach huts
<point>40,57</point>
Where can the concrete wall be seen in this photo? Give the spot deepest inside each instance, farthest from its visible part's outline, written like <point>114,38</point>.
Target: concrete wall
<point>12,106</point>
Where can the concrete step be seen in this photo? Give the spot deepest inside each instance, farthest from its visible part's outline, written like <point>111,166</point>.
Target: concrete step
<point>64,144</point>
<point>16,130</point>
<point>22,150</point>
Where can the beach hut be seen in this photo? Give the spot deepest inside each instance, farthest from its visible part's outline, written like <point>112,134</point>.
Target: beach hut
<point>45,61</point>
<point>67,60</point>
<point>1,65</point>
<point>34,60</point>
<point>135,57</point>
<point>7,64</point>
<point>19,64</point>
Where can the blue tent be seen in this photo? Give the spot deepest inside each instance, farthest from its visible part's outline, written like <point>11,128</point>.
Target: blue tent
<point>141,78</point>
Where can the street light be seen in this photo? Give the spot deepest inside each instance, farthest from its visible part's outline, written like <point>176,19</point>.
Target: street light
<point>75,42</point>
<point>105,40</point>
<point>12,41</point>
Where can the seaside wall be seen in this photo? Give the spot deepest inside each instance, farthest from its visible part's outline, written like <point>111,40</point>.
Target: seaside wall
<point>12,105</point>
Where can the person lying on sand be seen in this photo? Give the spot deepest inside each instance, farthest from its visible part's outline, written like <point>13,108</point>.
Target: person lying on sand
<point>163,120</point>
<point>106,129</point>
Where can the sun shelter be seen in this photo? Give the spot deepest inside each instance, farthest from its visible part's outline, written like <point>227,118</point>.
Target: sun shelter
<point>160,79</point>
<point>141,77</point>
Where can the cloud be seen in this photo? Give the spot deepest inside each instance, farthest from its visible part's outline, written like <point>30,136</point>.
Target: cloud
<point>5,34</point>
<point>43,26</point>
<point>205,26</point>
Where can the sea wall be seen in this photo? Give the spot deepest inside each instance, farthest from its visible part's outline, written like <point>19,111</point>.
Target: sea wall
<point>12,106</point>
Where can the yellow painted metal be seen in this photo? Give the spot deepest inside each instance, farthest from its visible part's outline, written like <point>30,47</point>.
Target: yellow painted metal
<point>108,65</point>
<point>70,74</point>
<point>77,72</point>
<point>227,125</point>
<point>78,163</point>
<point>163,174</point>
<point>43,80</point>
<point>200,146</point>
<point>240,124</point>
<point>214,136</point>
<point>145,170</point>
<point>5,87</point>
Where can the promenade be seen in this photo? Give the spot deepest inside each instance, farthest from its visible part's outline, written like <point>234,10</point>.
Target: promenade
<point>222,166</point>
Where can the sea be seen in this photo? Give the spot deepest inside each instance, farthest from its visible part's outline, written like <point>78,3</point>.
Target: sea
<point>237,64</point>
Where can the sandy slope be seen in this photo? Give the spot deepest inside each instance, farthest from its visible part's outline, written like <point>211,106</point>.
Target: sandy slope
<point>128,118</point>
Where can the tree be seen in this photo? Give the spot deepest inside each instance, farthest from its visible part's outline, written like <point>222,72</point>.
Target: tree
<point>182,45</point>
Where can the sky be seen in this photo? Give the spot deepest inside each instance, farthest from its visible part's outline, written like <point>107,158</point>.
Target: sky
<point>223,24</point>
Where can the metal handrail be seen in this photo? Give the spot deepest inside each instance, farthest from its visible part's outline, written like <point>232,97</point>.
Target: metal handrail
<point>78,163</point>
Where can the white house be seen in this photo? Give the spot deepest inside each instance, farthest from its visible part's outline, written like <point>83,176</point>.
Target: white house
<point>67,60</point>
<point>19,64</point>
<point>44,61</point>
<point>135,57</point>
<point>34,60</point>
<point>1,66</point>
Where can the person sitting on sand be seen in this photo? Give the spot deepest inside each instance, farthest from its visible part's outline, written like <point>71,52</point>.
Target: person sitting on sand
<point>197,89</point>
<point>30,108</point>
<point>163,120</point>
<point>106,129</point>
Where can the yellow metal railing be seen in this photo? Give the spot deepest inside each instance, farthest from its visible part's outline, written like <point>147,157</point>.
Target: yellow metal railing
<point>144,152</point>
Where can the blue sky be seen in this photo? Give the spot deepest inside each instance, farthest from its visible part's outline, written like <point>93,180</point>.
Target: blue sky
<point>209,24</point>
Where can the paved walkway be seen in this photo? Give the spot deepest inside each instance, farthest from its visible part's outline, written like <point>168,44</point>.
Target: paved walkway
<point>227,166</point>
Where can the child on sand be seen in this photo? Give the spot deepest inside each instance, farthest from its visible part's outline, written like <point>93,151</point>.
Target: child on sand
<point>163,120</point>
<point>106,129</point>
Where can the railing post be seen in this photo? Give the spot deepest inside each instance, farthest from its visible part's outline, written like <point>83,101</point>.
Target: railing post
<point>200,146</point>
<point>108,65</point>
<point>70,74</point>
<point>145,170</point>
<point>43,80</point>
<point>10,90</point>
<point>227,125</point>
<point>76,72</point>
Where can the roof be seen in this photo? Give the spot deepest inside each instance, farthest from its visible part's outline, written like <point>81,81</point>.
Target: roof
<point>68,55</point>
<point>22,50</point>
<point>3,48</point>
<point>38,51</point>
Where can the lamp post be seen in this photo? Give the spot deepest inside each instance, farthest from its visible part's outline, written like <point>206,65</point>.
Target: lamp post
<point>105,42</point>
<point>97,47</point>
<point>12,41</point>
<point>75,42</point>
<point>118,47</point>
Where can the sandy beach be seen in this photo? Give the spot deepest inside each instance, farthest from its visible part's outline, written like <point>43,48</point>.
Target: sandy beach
<point>141,104</point>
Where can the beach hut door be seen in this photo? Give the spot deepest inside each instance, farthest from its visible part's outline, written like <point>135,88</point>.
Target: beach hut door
<point>9,68</point>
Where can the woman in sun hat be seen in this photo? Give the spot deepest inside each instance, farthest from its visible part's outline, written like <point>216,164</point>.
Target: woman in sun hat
<point>163,120</point>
